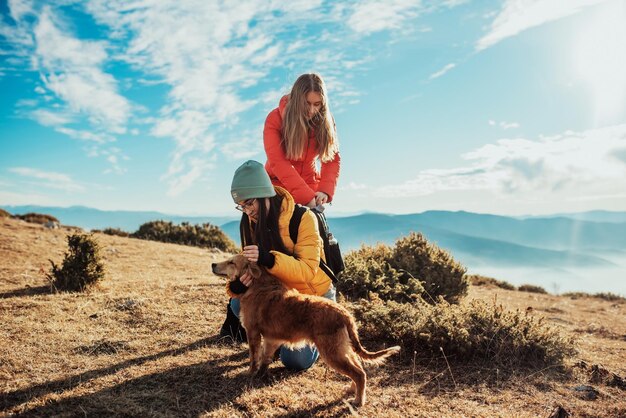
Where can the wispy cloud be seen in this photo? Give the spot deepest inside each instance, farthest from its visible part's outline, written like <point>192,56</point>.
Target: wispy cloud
<point>517,16</point>
<point>49,179</point>
<point>72,69</point>
<point>570,164</point>
<point>208,54</point>
<point>248,146</point>
<point>441,72</point>
<point>374,16</point>
<point>76,97</point>
<point>504,125</point>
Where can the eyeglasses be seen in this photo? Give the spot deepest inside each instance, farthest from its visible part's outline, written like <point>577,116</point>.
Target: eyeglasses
<point>247,204</point>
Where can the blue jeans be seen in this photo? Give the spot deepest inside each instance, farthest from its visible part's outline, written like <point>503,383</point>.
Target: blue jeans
<point>302,358</point>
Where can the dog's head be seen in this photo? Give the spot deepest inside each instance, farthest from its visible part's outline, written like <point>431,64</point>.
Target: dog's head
<point>235,267</point>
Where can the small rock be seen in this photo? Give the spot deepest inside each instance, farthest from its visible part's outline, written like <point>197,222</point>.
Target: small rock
<point>559,412</point>
<point>586,392</point>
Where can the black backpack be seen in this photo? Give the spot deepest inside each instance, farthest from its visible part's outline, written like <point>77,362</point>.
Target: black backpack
<point>334,262</point>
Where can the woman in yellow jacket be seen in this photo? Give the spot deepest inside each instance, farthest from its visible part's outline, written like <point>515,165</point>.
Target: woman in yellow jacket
<point>264,231</point>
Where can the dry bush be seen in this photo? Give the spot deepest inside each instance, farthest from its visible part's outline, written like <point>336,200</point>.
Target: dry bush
<point>608,296</point>
<point>37,218</point>
<point>412,269</point>
<point>478,280</point>
<point>466,332</point>
<point>368,270</point>
<point>116,232</point>
<point>81,267</point>
<point>531,288</point>
<point>4,214</point>
<point>205,235</point>
<point>440,274</point>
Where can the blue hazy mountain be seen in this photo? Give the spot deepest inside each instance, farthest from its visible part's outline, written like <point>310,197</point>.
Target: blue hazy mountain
<point>477,239</point>
<point>129,221</point>
<point>593,216</point>
<point>474,239</point>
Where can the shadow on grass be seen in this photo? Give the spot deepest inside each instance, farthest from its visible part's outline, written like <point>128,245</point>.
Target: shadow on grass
<point>27,291</point>
<point>11,399</point>
<point>322,410</point>
<point>436,376</point>
<point>184,391</point>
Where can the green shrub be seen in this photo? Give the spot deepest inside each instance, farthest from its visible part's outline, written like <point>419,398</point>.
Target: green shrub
<point>478,280</point>
<point>4,214</point>
<point>466,332</point>
<point>205,235</point>
<point>37,218</point>
<point>439,273</point>
<point>532,289</point>
<point>81,267</point>
<point>116,232</point>
<point>411,270</point>
<point>368,270</point>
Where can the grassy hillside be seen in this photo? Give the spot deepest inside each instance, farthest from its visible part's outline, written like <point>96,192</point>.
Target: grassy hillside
<point>144,343</point>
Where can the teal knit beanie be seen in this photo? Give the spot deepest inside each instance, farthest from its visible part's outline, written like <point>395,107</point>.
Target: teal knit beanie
<point>251,181</point>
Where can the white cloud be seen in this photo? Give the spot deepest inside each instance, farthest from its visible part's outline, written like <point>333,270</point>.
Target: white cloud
<point>509,125</point>
<point>441,72</point>
<point>83,135</point>
<point>22,198</point>
<point>517,16</point>
<point>244,148</point>
<point>71,69</point>
<point>49,179</point>
<point>180,183</point>
<point>374,16</point>
<point>49,118</point>
<point>207,53</point>
<point>572,164</point>
<point>504,125</point>
<point>353,186</point>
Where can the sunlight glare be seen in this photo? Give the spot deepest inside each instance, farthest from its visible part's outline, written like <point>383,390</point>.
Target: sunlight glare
<point>600,61</point>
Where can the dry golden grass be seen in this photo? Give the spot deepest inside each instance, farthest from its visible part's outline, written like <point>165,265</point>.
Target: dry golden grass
<point>144,343</point>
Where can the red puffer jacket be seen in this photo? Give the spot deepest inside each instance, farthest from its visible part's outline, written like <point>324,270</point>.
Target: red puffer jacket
<point>299,177</point>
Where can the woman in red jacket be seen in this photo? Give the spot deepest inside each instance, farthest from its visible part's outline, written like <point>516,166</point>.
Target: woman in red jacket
<point>297,133</point>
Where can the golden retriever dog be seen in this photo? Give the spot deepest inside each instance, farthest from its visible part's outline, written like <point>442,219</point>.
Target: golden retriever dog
<point>274,315</point>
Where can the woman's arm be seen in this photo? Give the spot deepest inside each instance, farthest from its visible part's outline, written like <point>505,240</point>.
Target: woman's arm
<point>279,164</point>
<point>329,176</point>
<point>303,265</point>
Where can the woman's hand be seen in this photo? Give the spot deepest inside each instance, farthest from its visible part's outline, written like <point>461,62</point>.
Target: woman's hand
<point>312,203</point>
<point>251,252</point>
<point>246,279</point>
<point>320,198</point>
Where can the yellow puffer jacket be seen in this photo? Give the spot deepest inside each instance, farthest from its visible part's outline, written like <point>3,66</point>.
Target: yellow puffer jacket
<point>300,271</point>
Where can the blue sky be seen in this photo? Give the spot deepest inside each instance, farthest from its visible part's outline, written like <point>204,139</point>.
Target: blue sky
<point>508,107</point>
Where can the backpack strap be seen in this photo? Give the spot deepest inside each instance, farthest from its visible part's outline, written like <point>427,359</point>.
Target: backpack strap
<point>294,222</point>
<point>294,225</point>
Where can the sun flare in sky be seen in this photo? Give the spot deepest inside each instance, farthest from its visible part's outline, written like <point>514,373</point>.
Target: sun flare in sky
<point>599,52</point>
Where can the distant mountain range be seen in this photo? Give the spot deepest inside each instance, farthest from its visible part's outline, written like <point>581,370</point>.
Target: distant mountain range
<point>90,218</point>
<point>480,240</point>
<point>571,240</point>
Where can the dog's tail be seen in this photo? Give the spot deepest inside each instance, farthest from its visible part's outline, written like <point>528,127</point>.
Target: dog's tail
<point>368,356</point>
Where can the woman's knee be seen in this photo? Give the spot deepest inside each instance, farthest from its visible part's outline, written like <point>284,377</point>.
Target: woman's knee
<point>298,359</point>
<point>235,306</point>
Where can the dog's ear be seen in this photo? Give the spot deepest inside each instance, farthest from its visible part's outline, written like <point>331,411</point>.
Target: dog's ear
<point>255,270</point>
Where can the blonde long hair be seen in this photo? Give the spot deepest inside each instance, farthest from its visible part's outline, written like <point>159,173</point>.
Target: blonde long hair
<point>296,125</point>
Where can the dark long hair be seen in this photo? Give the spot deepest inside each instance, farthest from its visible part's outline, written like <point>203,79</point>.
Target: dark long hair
<point>264,232</point>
